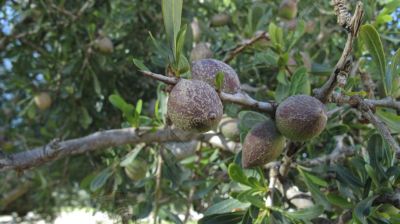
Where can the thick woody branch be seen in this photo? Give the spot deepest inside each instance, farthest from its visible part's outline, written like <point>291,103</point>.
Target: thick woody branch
<point>387,102</point>
<point>245,44</point>
<point>342,68</point>
<point>238,98</point>
<point>105,139</point>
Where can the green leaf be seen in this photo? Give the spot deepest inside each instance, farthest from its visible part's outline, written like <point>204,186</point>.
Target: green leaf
<point>131,156</point>
<point>339,201</point>
<point>172,11</point>
<point>118,102</point>
<point>237,174</point>
<point>363,209</point>
<point>391,119</point>
<point>139,105</point>
<point>85,119</point>
<point>300,83</point>
<point>316,180</point>
<point>371,173</point>
<point>373,43</point>
<point>276,35</point>
<point>226,218</point>
<point>255,200</point>
<point>101,179</point>
<point>225,206</point>
<point>306,214</point>
<point>96,84</point>
<point>180,41</point>
<point>140,65</point>
<point>394,72</point>
<point>315,191</point>
<point>347,177</point>
<point>219,80</point>
<point>247,119</point>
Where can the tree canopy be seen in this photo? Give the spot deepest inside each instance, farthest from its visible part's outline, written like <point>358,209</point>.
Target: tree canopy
<point>84,89</point>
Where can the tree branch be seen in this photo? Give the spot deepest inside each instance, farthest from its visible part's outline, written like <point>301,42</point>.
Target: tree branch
<point>245,44</point>
<point>342,67</point>
<point>238,98</point>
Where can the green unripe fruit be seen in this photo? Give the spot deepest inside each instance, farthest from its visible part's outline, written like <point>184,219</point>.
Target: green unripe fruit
<point>301,117</point>
<point>288,9</point>
<point>194,105</point>
<point>201,51</point>
<point>43,100</point>
<point>229,128</point>
<point>207,69</point>
<point>136,170</point>
<point>262,144</point>
<point>220,19</point>
<point>104,45</point>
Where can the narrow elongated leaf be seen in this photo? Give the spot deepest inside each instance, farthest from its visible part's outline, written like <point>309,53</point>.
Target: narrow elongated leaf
<point>391,119</point>
<point>363,209</point>
<point>315,191</point>
<point>100,179</point>
<point>226,218</point>
<point>373,43</point>
<point>339,201</point>
<point>236,174</point>
<point>225,206</point>
<point>307,213</point>
<point>172,11</point>
<point>140,65</point>
<point>219,80</point>
<point>299,82</point>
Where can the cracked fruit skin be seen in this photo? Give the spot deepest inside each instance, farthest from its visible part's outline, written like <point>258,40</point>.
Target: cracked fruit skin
<point>207,69</point>
<point>194,105</point>
<point>43,100</point>
<point>301,117</point>
<point>262,145</point>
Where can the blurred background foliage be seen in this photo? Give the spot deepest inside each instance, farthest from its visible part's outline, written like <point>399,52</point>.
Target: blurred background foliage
<point>50,46</point>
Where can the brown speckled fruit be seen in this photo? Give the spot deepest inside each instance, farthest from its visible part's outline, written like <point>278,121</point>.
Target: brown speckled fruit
<point>206,70</point>
<point>194,105</point>
<point>104,45</point>
<point>262,144</point>
<point>301,117</point>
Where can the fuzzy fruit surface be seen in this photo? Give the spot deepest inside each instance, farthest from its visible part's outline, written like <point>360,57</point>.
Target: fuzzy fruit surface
<point>194,105</point>
<point>301,117</point>
<point>262,144</point>
<point>43,100</point>
<point>207,69</point>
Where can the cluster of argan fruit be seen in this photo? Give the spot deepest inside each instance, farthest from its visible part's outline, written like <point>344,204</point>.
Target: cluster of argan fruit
<point>194,105</point>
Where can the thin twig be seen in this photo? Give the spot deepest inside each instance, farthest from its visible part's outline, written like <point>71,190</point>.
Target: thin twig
<point>245,44</point>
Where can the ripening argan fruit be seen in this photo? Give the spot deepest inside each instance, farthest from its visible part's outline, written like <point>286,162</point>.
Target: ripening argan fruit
<point>262,144</point>
<point>43,100</point>
<point>220,19</point>
<point>201,51</point>
<point>301,117</point>
<point>196,30</point>
<point>229,128</point>
<point>136,170</point>
<point>104,45</point>
<point>207,69</point>
<point>194,105</point>
<point>288,9</point>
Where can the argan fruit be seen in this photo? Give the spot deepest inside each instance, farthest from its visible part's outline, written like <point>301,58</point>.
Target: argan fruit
<point>201,51</point>
<point>207,69</point>
<point>262,144</point>
<point>193,105</point>
<point>136,170</point>
<point>229,128</point>
<point>104,45</point>
<point>42,100</point>
<point>288,9</point>
<point>196,30</point>
<point>301,117</point>
<point>220,19</point>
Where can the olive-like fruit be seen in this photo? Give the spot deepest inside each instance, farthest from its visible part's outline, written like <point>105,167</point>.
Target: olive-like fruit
<point>262,144</point>
<point>220,19</point>
<point>288,9</point>
<point>301,117</point>
<point>201,51</point>
<point>229,128</point>
<point>43,100</point>
<point>104,45</point>
<point>136,170</point>
<point>207,69</point>
<point>193,105</point>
